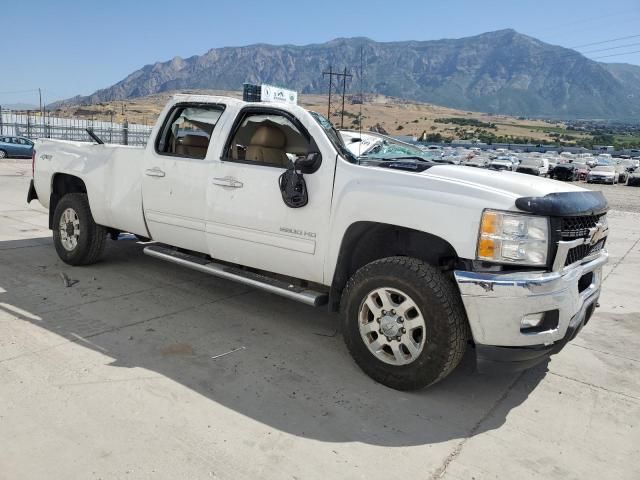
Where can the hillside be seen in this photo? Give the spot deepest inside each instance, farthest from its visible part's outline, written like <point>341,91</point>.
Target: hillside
<point>500,72</point>
<point>396,116</point>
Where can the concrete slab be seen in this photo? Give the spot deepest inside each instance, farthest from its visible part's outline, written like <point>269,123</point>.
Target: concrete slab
<point>143,369</point>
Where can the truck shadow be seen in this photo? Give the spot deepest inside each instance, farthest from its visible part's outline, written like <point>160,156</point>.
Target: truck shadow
<point>270,359</point>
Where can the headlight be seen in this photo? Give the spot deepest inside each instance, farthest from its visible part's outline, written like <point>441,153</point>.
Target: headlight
<point>507,237</point>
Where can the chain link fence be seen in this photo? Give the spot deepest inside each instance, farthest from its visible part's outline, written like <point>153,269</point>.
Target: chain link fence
<point>34,125</point>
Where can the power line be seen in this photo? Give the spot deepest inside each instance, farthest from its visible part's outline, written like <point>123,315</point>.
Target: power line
<point>605,41</point>
<point>19,91</point>
<point>616,54</point>
<point>610,48</point>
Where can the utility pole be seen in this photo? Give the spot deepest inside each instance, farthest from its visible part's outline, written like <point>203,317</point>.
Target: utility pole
<point>344,76</point>
<point>40,96</point>
<point>344,87</point>
<point>331,74</point>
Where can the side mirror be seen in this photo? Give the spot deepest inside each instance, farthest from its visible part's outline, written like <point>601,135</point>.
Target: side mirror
<point>356,140</point>
<point>310,163</point>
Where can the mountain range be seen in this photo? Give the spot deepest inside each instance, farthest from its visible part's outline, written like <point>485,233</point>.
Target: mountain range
<point>500,72</point>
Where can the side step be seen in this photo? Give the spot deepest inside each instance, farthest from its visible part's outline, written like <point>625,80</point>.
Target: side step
<point>256,280</point>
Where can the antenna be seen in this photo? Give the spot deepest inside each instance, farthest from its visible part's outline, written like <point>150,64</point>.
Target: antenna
<point>361,97</point>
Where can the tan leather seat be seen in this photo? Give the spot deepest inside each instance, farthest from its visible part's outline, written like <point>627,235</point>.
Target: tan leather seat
<point>267,145</point>
<point>192,146</point>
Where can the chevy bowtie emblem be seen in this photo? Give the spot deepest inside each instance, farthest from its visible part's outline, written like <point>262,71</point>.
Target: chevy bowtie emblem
<point>597,233</point>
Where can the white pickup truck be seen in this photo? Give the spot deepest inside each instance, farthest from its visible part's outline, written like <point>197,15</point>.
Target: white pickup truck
<point>423,260</point>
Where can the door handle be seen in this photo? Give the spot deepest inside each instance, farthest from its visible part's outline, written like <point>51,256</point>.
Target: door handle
<point>154,172</point>
<point>228,182</point>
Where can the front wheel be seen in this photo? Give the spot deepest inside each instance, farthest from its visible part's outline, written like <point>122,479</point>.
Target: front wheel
<point>77,238</point>
<point>3,154</point>
<point>403,322</point>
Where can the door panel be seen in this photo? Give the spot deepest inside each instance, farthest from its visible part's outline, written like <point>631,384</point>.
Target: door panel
<point>253,226</point>
<point>175,176</point>
<point>174,201</point>
<point>247,221</point>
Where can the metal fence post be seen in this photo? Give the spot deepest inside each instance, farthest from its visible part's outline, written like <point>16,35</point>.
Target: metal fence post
<point>125,133</point>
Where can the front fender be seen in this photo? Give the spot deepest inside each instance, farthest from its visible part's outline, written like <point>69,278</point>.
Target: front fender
<point>442,207</point>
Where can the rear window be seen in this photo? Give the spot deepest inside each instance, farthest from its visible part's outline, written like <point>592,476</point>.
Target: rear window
<point>187,130</point>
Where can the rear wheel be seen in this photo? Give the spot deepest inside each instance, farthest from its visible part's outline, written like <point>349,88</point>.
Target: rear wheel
<point>403,322</point>
<point>77,238</point>
<point>3,154</point>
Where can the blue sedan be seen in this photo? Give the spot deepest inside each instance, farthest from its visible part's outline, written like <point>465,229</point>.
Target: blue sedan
<point>15,147</point>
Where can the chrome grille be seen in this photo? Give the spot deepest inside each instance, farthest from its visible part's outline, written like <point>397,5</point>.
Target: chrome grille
<point>582,251</point>
<point>577,227</point>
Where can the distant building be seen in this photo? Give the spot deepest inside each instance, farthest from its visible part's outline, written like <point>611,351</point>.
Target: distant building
<point>604,148</point>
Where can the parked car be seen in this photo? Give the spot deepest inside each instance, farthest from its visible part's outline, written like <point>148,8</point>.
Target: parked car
<point>634,179</point>
<point>478,161</point>
<point>421,258</point>
<point>565,171</point>
<point>534,166</point>
<point>502,163</point>
<point>603,174</point>
<point>582,168</point>
<point>629,165</point>
<point>622,172</point>
<point>18,147</point>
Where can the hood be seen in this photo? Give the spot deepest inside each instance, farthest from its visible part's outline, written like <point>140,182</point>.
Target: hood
<point>506,183</point>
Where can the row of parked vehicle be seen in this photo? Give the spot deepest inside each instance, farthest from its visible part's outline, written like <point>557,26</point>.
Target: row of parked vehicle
<point>565,166</point>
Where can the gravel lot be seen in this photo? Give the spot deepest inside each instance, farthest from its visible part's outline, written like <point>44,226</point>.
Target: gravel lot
<point>122,375</point>
<point>621,197</point>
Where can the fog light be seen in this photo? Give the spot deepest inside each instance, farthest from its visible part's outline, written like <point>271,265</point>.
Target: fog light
<point>532,320</point>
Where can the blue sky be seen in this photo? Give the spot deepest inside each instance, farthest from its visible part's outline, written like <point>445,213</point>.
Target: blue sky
<point>71,47</point>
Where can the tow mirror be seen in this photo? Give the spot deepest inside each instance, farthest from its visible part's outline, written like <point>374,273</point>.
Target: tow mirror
<point>310,163</point>
<point>293,187</point>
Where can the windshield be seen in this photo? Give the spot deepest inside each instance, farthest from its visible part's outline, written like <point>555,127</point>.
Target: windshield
<point>334,137</point>
<point>389,149</point>
<point>604,168</point>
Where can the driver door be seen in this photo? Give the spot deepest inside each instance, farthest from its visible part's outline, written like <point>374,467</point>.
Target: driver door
<point>247,220</point>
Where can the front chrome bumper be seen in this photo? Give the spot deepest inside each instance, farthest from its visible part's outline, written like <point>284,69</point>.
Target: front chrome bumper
<point>497,302</point>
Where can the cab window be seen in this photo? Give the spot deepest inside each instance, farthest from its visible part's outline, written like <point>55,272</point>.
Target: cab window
<point>187,130</point>
<point>268,138</point>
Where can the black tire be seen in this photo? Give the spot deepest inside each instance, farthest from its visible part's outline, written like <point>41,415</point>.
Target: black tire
<point>92,238</point>
<point>439,301</point>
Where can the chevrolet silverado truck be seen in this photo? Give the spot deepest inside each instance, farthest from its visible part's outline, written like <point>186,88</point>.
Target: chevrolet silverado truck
<point>422,260</point>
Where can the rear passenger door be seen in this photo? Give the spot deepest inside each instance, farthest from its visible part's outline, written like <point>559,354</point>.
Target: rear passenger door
<point>175,175</point>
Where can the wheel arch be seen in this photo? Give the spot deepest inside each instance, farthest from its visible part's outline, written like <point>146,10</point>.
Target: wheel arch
<point>62,184</point>
<point>365,242</point>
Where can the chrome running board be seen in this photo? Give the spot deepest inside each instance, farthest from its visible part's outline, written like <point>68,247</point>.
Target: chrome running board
<point>256,280</point>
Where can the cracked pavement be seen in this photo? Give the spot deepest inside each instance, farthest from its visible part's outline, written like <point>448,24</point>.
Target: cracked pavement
<point>143,369</point>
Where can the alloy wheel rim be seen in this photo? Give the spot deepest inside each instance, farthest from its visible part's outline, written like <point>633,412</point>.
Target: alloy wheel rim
<point>69,229</point>
<point>392,326</point>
